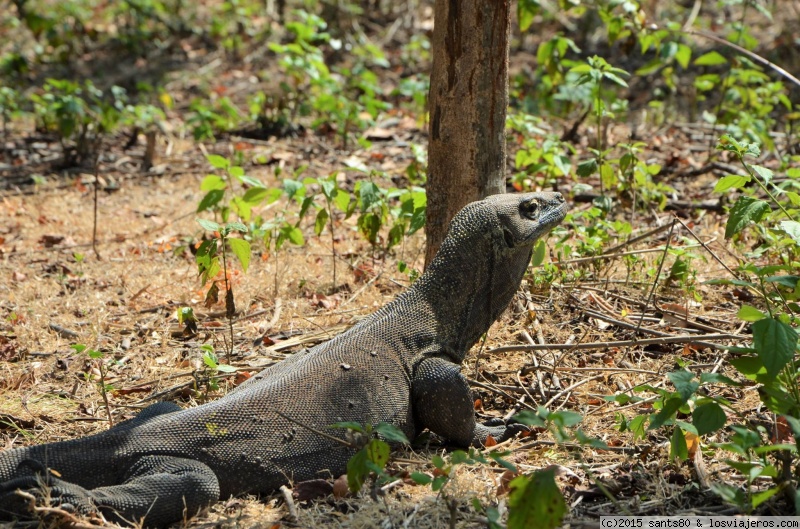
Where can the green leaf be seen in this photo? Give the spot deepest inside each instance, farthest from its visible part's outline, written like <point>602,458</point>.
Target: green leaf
<point>217,161</point>
<point>760,497</point>
<point>565,418</point>
<point>341,199</point>
<point>378,452</point>
<point>748,313</point>
<point>529,418</point>
<point>587,167</point>
<point>775,343</point>
<point>225,368</point>
<point>320,221</point>
<point>763,172</point>
<point>749,366</point>
<point>731,181</point>
<point>295,235</point>
<point>708,418</point>
<point>684,382</point>
<point>787,281</point>
<point>539,253</point>
<point>745,211</point>
<point>671,406</point>
<point>683,55</point>
<point>677,445</point>
<point>391,433</point>
<point>208,225</point>
<point>357,470</point>
<point>711,58</point>
<point>234,226</point>
<point>255,195</point>
<point>241,249</point>
<point>420,478</point>
<point>212,182</point>
<point>792,229</point>
<point>211,199</point>
<point>535,501</point>
<point>273,195</point>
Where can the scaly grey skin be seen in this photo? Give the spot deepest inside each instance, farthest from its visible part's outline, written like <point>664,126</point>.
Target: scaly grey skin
<point>400,365</point>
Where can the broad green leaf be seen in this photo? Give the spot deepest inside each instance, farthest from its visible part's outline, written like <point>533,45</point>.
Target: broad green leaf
<point>357,470</point>
<point>225,368</point>
<point>565,418</point>
<point>708,418</point>
<point>539,253</point>
<point>212,182</point>
<point>391,433</point>
<point>208,225</point>
<point>273,195</point>
<point>775,343</point>
<point>529,418</point>
<point>670,407</point>
<point>295,235</point>
<point>748,313</point>
<point>787,281</point>
<point>341,199</point>
<point>587,167</point>
<point>749,366</point>
<point>683,55</point>
<point>211,199</point>
<point>745,211</point>
<point>684,382</point>
<point>320,221</point>
<point>731,181</point>
<point>711,58</point>
<point>717,378</point>
<point>378,452</point>
<point>255,195</point>
<point>241,249</point>
<point>234,226</point>
<point>763,172</point>
<point>420,479</point>
<point>760,497</point>
<point>217,161</point>
<point>792,229</point>
<point>535,501</point>
<point>677,445</point>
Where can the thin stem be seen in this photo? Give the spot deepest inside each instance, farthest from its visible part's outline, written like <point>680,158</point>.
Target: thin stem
<point>230,310</point>
<point>763,187</point>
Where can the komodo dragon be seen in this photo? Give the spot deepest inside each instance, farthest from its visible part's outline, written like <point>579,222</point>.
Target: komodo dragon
<point>400,365</point>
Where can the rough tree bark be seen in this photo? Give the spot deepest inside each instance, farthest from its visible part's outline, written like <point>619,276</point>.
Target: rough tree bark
<point>468,101</point>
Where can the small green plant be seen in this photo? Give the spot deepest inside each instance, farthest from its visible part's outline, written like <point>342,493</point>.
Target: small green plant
<point>207,119</point>
<point>373,453</point>
<point>80,114</point>
<point>208,264</point>
<point>9,106</point>
<point>335,198</point>
<point>213,367</point>
<point>771,361</point>
<point>98,358</point>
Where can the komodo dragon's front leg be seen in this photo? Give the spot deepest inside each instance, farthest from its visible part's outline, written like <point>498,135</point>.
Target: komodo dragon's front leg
<point>443,403</point>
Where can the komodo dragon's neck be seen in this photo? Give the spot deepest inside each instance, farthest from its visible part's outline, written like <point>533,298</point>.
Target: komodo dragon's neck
<point>465,289</point>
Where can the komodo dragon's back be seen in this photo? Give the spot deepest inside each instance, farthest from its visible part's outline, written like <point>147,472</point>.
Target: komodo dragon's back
<point>400,365</point>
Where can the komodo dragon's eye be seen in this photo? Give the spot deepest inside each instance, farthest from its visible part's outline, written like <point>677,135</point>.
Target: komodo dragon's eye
<point>530,209</point>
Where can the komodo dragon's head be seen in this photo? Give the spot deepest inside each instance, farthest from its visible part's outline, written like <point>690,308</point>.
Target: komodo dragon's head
<point>482,260</point>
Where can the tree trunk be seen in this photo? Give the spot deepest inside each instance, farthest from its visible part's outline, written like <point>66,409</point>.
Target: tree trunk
<point>468,101</point>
